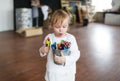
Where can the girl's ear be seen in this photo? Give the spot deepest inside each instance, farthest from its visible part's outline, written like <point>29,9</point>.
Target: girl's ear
<point>50,27</point>
<point>68,29</point>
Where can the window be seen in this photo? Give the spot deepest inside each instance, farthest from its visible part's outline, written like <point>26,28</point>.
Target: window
<point>101,5</point>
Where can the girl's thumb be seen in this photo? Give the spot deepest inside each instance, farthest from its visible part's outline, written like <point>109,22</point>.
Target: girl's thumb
<point>62,53</point>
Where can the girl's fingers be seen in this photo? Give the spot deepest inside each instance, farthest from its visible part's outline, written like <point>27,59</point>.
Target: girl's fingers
<point>62,54</point>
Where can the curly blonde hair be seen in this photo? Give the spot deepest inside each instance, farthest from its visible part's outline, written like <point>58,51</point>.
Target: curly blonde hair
<point>58,17</point>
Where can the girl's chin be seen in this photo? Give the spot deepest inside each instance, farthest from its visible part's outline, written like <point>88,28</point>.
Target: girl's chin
<point>60,35</point>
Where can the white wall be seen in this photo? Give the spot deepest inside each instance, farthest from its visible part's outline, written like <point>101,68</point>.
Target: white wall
<point>6,15</point>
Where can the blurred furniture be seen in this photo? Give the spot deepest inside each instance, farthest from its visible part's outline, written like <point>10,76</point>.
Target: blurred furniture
<point>53,4</point>
<point>74,7</point>
<point>112,16</point>
<point>72,15</point>
<point>99,17</point>
<point>23,18</point>
<point>90,10</point>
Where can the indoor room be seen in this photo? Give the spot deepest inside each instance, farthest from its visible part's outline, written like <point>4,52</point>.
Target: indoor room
<point>94,29</point>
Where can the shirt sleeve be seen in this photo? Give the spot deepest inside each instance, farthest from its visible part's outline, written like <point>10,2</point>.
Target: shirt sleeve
<point>75,53</point>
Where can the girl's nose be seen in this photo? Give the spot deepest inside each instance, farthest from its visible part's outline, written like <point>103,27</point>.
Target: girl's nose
<point>60,29</point>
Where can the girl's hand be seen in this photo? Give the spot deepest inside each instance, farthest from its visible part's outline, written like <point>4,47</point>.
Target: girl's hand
<point>59,59</point>
<point>44,49</point>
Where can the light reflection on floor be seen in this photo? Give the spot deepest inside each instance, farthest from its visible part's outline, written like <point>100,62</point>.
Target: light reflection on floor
<point>101,42</point>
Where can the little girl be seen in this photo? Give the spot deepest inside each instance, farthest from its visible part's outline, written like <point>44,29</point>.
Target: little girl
<point>60,67</point>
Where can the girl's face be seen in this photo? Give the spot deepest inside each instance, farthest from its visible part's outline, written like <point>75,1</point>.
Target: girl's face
<point>61,29</point>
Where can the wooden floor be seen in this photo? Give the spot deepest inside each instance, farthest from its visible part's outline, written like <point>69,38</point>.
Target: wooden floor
<point>100,55</point>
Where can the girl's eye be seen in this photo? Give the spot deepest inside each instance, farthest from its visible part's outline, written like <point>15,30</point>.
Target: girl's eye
<point>57,27</point>
<point>64,26</point>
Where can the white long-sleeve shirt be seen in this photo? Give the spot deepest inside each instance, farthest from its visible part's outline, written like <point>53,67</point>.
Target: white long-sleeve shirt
<point>70,66</point>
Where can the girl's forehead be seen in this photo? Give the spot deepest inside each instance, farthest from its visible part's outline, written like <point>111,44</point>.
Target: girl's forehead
<point>64,21</point>
<point>61,23</point>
